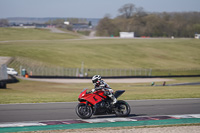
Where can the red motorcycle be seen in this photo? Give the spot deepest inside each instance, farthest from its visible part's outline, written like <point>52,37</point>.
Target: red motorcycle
<point>98,103</point>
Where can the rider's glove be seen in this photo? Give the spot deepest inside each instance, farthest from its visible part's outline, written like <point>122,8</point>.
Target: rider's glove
<point>93,90</point>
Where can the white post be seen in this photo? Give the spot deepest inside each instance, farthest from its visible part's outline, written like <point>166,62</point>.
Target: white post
<point>82,68</point>
<point>20,70</point>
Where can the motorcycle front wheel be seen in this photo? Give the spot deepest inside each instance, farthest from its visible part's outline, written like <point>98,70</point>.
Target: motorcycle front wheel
<point>83,111</point>
<point>122,109</point>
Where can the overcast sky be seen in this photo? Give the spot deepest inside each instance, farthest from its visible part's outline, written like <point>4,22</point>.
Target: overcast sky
<point>88,8</point>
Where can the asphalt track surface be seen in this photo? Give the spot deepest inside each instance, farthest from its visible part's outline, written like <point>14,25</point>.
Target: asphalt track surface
<point>66,111</point>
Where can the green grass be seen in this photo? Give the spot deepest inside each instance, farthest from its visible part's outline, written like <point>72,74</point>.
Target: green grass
<point>7,34</point>
<point>59,50</point>
<point>117,53</point>
<point>39,92</point>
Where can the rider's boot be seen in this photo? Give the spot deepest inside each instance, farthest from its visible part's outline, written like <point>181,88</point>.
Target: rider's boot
<point>114,100</point>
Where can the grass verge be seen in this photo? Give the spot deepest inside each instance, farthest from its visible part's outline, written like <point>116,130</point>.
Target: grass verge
<point>7,34</point>
<point>110,53</point>
<point>40,92</point>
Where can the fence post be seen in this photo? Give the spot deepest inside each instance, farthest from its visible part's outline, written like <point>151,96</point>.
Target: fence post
<point>77,72</point>
<point>20,70</point>
<point>145,72</point>
<point>150,72</point>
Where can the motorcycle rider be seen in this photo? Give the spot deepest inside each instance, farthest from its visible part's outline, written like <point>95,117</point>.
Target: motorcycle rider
<point>101,85</point>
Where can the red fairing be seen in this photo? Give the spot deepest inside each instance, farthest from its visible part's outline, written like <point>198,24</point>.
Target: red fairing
<point>93,98</point>
<point>82,94</point>
<point>101,93</point>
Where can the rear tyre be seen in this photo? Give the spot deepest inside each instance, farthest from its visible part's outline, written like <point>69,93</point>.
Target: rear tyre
<point>83,111</point>
<point>122,109</point>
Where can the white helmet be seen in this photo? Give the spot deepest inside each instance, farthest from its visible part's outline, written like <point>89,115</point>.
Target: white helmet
<point>96,78</point>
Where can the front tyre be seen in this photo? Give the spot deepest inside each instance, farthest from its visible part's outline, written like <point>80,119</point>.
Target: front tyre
<point>83,111</point>
<point>122,109</point>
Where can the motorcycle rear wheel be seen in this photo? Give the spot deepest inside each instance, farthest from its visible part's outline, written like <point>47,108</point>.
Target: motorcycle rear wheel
<point>122,109</point>
<point>83,111</point>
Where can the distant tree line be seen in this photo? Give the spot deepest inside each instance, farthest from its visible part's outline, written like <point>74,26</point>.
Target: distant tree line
<point>60,22</point>
<point>134,19</point>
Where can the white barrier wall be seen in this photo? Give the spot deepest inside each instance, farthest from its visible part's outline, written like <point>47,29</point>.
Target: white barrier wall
<point>197,36</point>
<point>126,34</point>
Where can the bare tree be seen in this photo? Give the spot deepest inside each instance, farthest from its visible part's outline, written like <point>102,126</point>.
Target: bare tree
<point>127,10</point>
<point>139,12</point>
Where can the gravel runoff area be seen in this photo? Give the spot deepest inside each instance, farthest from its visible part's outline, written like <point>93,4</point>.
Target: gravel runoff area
<point>173,129</point>
<point>122,80</point>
